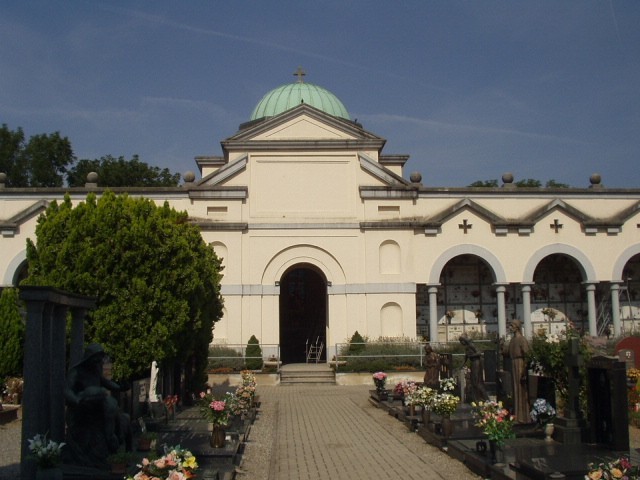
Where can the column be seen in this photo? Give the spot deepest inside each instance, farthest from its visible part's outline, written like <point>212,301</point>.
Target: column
<point>591,304</point>
<point>526,310</point>
<point>502,316</point>
<point>433,314</point>
<point>615,308</point>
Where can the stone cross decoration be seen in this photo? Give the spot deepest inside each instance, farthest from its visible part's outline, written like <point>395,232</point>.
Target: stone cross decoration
<point>556,225</point>
<point>574,361</point>
<point>465,225</point>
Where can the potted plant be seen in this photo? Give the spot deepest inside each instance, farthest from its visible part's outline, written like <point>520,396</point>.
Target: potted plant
<point>543,413</point>
<point>217,412</point>
<point>48,456</point>
<point>119,462</point>
<point>147,441</point>
<point>496,423</point>
<point>380,381</point>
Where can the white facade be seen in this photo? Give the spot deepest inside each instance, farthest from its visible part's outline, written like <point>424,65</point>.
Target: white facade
<point>321,235</point>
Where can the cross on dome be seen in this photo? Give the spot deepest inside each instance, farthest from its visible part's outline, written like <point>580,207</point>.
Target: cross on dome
<point>300,74</point>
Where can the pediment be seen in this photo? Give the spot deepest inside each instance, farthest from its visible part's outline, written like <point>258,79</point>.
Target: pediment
<point>303,123</point>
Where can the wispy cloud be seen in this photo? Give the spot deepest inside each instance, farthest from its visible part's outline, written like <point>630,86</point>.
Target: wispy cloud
<point>458,128</point>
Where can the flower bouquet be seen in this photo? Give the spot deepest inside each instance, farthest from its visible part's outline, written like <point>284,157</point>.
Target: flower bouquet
<point>542,412</point>
<point>494,420</point>
<point>47,453</point>
<point>447,384</point>
<point>616,469</point>
<point>175,464</point>
<point>380,380</point>
<point>424,396</point>
<point>214,410</point>
<point>444,404</point>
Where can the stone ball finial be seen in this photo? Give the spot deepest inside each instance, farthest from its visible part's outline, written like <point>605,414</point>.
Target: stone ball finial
<point>507,177</point>
<point>415,177</point>
<point>3,177</point>
<point>595,179</point>
<point>189,176</point>
<point>92,177</point>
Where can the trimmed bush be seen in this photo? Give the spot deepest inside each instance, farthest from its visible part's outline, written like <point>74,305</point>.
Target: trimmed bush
<point>356,344</point>
<point>253,354</point>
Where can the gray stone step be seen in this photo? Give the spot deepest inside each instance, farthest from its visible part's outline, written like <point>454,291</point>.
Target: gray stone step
<point>308,376</point>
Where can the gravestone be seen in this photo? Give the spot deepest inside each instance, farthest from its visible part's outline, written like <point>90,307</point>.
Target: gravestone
<point>630,343</point>
<point>607,396</point>
<point>628,357</point>
<point>490,370</point>
<point>570,426</point>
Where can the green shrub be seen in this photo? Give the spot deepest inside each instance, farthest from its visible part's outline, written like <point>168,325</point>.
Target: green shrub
<point>356,344</point>
<point>12,338</point>
<point>222,357</point>
<point>253,354</point>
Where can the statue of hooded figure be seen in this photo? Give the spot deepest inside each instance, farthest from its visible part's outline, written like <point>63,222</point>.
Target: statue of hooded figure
<point>95,425</point>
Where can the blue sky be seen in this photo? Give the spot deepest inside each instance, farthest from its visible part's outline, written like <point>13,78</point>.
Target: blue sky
<point>469,89</point>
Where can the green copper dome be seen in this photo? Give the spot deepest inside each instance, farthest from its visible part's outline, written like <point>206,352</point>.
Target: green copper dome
<point>291,95</point>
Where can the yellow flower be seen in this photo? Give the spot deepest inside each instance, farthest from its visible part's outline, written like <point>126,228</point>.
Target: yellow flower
<point>595,475</point>
<point>190,462</point>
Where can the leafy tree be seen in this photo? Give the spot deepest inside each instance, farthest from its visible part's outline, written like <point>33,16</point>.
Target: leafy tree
<point>12,338</point>
<point>253,354</point>
<point>485,183</point>
<point>553,184</point>
<point>157,283</point>
<point>40,162</point>
<point>528,182</point>
<point>11,158</point>
<point>119,172</point>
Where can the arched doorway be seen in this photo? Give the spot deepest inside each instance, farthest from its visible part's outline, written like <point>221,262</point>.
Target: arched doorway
<point>303,312</point>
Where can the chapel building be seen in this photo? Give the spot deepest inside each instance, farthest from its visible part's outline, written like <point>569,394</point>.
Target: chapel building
<point>323,234</point>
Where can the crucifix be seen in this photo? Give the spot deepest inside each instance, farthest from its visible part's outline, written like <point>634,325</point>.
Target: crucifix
<point>465,226</point>
<point>556,225</point>
<point>300,74</point>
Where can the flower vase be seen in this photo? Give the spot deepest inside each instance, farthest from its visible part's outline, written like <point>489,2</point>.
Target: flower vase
<point>447,426</point>
<point>496,452</point>
<point>218,436</point>
<point>548,432</point>
<point>54,473</point>
<point>412,410</point>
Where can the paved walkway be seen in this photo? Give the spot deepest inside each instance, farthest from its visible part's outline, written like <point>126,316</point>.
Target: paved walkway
<point>311,432</point>
<point>334,432</point>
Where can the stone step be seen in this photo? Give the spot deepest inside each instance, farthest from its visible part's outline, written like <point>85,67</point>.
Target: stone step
<point>308,376</point>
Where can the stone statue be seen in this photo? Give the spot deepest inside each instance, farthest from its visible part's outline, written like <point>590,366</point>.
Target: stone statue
<point>476,365</point>
<point>432,366</point>
<point>517,350</point>
<point>95,425</point>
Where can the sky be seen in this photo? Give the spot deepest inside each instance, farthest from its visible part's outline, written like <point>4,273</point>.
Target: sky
<point>469,89</point>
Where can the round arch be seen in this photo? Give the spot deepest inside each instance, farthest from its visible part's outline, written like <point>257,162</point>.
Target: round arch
<point>584,264</point>
<point>14,268</point>
<point>467,249</point>
<point>303,254</point>
<point>625,256</point>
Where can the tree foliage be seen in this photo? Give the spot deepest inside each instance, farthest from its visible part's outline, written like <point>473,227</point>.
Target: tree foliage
<point>40,162</point>
<point>527,182</point>
<point>157,283</point>
<point>485,183</point>
<point>119,172</point>
<point>12,338</point>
